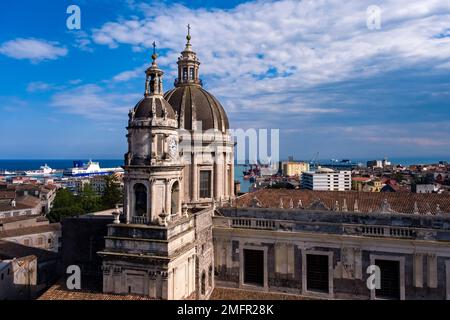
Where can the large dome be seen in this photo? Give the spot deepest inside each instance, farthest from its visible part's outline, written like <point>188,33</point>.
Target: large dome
<point>193,103</point>
<point>149,104</point>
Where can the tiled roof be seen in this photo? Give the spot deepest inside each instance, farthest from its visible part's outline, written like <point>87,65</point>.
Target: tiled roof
<point>59,292</point>
<point>422,203</point>
<point>29,201</point>
<point>361,179</point>
<point>239,294</point>
<point>30,230</point>
<point>38,217</point>
<point>10,250</point>
<point>7,195</point>
<point>19,206</point>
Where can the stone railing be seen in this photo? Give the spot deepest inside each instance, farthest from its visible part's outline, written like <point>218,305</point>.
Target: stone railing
<point>253,223</point>
<point>139,220</point>
<point>380,231</point>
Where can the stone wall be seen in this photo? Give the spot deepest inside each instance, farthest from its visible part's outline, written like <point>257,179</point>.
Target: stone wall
<point>423,264</point>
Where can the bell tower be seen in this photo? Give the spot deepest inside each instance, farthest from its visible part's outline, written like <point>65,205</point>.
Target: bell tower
<point>151,252</point>
<point>153,169</point>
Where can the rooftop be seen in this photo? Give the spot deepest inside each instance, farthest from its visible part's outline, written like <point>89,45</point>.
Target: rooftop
<point>11,250</point>
<point>30,230</point>
<point>60,292</point>
<point>38,217</point>
<point>366,202</point>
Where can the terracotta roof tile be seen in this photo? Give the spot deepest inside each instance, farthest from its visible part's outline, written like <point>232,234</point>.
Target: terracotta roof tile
<point>422,203</point>
<point>59,292</point>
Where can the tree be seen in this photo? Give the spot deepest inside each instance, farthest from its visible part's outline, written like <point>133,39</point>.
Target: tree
<point>89,200</point>
<point>397,177</point>
<point>112,194</point>
<point>65,204</point>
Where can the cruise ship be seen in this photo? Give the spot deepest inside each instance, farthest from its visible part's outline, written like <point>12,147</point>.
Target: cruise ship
<point>89,169</point>
<point>45,170</point>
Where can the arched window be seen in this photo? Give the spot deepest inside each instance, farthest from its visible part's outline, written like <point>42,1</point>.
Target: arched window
<point>175,197</point>
<point>203,283</point>
<point>140,202</point>
<point>210,275</point>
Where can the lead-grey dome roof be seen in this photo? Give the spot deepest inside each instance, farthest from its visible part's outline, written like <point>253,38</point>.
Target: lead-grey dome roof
<point>193,103</point>
<point>144,108</point>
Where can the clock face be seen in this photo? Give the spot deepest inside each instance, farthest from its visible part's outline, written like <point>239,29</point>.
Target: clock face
<point>173,147</point>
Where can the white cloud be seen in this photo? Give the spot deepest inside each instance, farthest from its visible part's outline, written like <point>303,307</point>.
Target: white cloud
<point>275,50</point>
<point>93,102</point>
<point>130,74</point>
<point>39,86</point>
<point>32,49</point>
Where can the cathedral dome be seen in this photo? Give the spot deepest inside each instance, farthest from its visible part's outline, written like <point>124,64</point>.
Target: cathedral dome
<point>153,106</point>
<point>193,103</point>
<point>190,100</point>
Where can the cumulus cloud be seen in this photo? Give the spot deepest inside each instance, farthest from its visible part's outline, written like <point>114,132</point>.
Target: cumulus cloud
<point>39,86</point>
<point>310,41</point>
<point>94,102</point>
<point>278,50</point>
<point>35,50</point>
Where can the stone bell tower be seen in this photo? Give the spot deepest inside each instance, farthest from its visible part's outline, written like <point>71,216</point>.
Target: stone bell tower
<point>152,252</point>
<point>153,169</point>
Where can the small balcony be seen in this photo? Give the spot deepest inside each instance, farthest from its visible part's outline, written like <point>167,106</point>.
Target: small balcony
<point>139,220</point>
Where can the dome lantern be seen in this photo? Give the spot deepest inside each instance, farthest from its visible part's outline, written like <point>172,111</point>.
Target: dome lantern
<point>188,65</point>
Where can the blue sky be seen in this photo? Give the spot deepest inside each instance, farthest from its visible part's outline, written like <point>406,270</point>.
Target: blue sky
<point>310,68</point>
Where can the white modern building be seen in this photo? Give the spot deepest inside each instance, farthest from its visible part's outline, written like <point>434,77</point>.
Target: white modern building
<point>325,179</point>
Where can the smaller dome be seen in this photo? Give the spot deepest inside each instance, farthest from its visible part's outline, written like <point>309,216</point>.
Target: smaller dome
<point>149,104</point>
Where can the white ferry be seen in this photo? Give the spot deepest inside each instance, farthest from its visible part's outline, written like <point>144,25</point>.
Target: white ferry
<point>89,169</point>
<point>45,170</point>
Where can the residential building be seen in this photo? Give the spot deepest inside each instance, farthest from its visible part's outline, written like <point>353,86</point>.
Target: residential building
<point>294,168</point>
<point>325,179</point>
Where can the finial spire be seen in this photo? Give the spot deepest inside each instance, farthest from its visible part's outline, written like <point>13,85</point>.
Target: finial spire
<point>188,37</point>
<point>154,55</point>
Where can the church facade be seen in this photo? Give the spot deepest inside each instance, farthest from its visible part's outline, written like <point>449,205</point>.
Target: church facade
<point>178,167</point>
<point>182,231</point>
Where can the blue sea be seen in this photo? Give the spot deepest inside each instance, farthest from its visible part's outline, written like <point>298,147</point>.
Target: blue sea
<point>21,165</point>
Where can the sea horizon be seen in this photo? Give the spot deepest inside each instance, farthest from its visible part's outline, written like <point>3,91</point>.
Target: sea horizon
<point>30,164</point>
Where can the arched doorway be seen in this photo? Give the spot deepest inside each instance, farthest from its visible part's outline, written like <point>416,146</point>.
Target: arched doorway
<point>175,197</point>
<point>203,283</point>
<point>140,199</point>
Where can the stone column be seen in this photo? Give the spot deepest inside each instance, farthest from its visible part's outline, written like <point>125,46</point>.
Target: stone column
<point>418,270</point>
<point>194,185</point>
<point>216,177</point>
<point>153,214</point>
<point>432,271</point>
<point>167,199</point>
<point>127,200</point>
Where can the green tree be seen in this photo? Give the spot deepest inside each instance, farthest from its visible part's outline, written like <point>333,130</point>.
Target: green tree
<point>397,177</point>
<point>89,200</point>
<point>112,194</point>
<point>65,204</point>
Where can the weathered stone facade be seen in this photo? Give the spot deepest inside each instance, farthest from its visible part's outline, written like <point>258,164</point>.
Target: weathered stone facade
<point>351,241</point>
<point>175,172</point>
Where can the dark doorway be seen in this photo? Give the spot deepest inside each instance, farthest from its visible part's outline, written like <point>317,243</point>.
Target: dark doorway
<point>254,267</point>
<point>390,279</point>
<point>203,284</point>
<point>317,272</point>
<point>140,192</point>
<point>175,198</point>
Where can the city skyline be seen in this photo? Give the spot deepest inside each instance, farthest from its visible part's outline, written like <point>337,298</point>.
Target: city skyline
<point>312,69</point>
